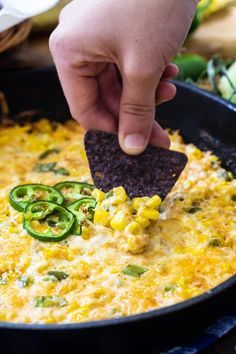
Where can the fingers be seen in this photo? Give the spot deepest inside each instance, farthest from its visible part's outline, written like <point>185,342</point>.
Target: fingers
<point>81,88</point>
<point>137,110</point>
<point>170,72</point>
<point>97,100</point>
<point>159,137</point>
<point>166,91</point>
<point>110,89</point>
<point>82,93</point>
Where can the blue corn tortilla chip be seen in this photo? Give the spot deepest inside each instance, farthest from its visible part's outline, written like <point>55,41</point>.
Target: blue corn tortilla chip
<point>155,171</point>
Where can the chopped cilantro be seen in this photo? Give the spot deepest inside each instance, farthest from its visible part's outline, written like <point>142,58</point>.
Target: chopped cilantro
<point>46,153</point>
<point>44,167</point>
<point>133,270</point>
<point>24,281</point>
<point>59,275</point>
<point>50,301</point>
<point>214,243</point>
<point>61,171</point>
<point>193,209</point>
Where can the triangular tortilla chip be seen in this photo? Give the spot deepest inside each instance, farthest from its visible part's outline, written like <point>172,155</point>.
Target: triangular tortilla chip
<point>155,171</point>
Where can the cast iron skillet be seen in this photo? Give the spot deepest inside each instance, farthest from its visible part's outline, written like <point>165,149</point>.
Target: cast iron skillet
<point>203,119</point>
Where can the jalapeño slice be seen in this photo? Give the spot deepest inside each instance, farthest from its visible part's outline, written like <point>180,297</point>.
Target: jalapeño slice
<point>73,191</point>
<point>21,195</point>
<point>83,210</point>
<point>47,221</point>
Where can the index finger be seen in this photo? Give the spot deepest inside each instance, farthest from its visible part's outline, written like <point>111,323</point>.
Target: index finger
<point>81,89</point>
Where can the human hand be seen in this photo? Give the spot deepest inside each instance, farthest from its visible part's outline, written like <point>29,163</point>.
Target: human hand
<point>99,42</point>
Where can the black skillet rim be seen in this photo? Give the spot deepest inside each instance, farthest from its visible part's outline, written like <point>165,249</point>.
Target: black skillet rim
<point>183,305</point>
<point>180,84</point>
<point>209,95</point>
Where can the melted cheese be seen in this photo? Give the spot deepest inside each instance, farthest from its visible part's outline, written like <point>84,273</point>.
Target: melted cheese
<point>187,252</point>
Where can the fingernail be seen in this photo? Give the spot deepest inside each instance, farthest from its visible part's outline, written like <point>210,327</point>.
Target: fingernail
<point>134,144</point>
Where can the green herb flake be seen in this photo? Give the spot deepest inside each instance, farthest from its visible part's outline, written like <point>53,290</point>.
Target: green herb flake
<point>3,280</point>
<point>44,167</point>
<point>24,281</point>
<point>61,171</point>
<point>51,278</point>
<point>59,275</point>
<point>46,153</point>
<point>214,243</point>
<point>170,287</point>
<point>194,209</point>
<point>134,270</point>
<point>162,208</point>
<point>233,198</point>
<point>214,164</point>
<point>109,194</point>
<point>50,301</point>
<point>226,175</point>
<point>179,197</point>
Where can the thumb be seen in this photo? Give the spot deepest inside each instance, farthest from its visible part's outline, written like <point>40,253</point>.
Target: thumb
<point>137,112</point>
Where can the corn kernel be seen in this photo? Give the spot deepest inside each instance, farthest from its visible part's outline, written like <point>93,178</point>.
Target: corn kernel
<point>119,221</point>
<point>143,222</point>
<point>139,202</point>
<point>98,195</point>
<point>149,213</point>
<point>197,153</point>
<point>154,202</point>
<point>120,195</point>
<point>137,243</point>
<point>133,228</point>
<point>85,233</point>
<point>101,217</point>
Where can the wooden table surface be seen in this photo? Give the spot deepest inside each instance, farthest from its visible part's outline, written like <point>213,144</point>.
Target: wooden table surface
<point>36,54</point>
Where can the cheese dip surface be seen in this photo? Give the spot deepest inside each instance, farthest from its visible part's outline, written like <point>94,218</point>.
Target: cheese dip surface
<point>122,263</point>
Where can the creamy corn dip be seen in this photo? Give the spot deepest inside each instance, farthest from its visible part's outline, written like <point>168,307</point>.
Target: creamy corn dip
<point>114,268</point>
